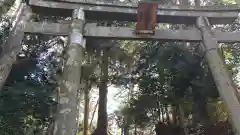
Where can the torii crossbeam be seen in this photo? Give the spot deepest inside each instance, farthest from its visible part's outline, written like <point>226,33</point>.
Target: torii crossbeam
<point>128,12</point>
<point>125,33</point>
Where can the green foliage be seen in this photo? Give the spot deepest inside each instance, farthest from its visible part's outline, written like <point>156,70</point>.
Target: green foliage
<point>225,2</point>
<point>27,100</point>
<point>169,74</point>
<point>4,32</point>
<point>5,5</point>
<point>24,105</point>
<point>218,111</point>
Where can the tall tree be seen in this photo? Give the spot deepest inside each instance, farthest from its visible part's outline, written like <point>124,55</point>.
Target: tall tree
<point>102,109</point>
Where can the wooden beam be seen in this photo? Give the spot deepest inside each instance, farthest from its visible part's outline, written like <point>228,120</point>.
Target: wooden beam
<point>48,28</point>
<point>234,7</point>
<point>124,33</point>
<point>166,14</point>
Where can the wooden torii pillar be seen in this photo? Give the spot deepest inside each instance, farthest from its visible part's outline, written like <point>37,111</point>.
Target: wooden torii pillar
<point>66,120</point>
<point>13,46</point>
<point>224,83</point>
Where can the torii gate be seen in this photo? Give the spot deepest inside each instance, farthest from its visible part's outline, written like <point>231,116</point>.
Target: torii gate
<point>77,30</point>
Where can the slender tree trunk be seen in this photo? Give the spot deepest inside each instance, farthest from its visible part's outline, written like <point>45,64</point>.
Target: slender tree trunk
<point>126,120</point>
<point>122,131</point>
<point>183,2</point>
<point>174,115</point>
<point>50,128</point>
<point>203,113</point>
<point>167,114</point>
<point>126,130</point>
<point>159,113</point>
<point>86,108</point>
<point>102,109</point>
<point>182,120</point>
<point>86,89</point>
<point>162,113</point>
<point>126,126</point>
<point>13,46</point>
<point>80,97</point>
<point>197,3</point>
<point>66,122</point>
<point>135,129</point>
<point>195,113</point>
<point>94,111</point>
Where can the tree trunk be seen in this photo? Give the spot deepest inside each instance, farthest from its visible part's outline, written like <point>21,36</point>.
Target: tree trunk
<point>102,108</point>
<point>162,113</point>
<point>80,97</point>
<point>126,130</point>
<point>183,2</point>
<point>159,113</point>
<point>174,115</point>
<point>94,111</point>
<point>197,3</point>
<point>135,129</point>
<point>66,122</point>
<point>203,113</point>
<point>167,114</point>
<point>13,46</point>
<point>182,120</point>
<point>126,126</point>
<point>122,131</point>
<point>86,108</point>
